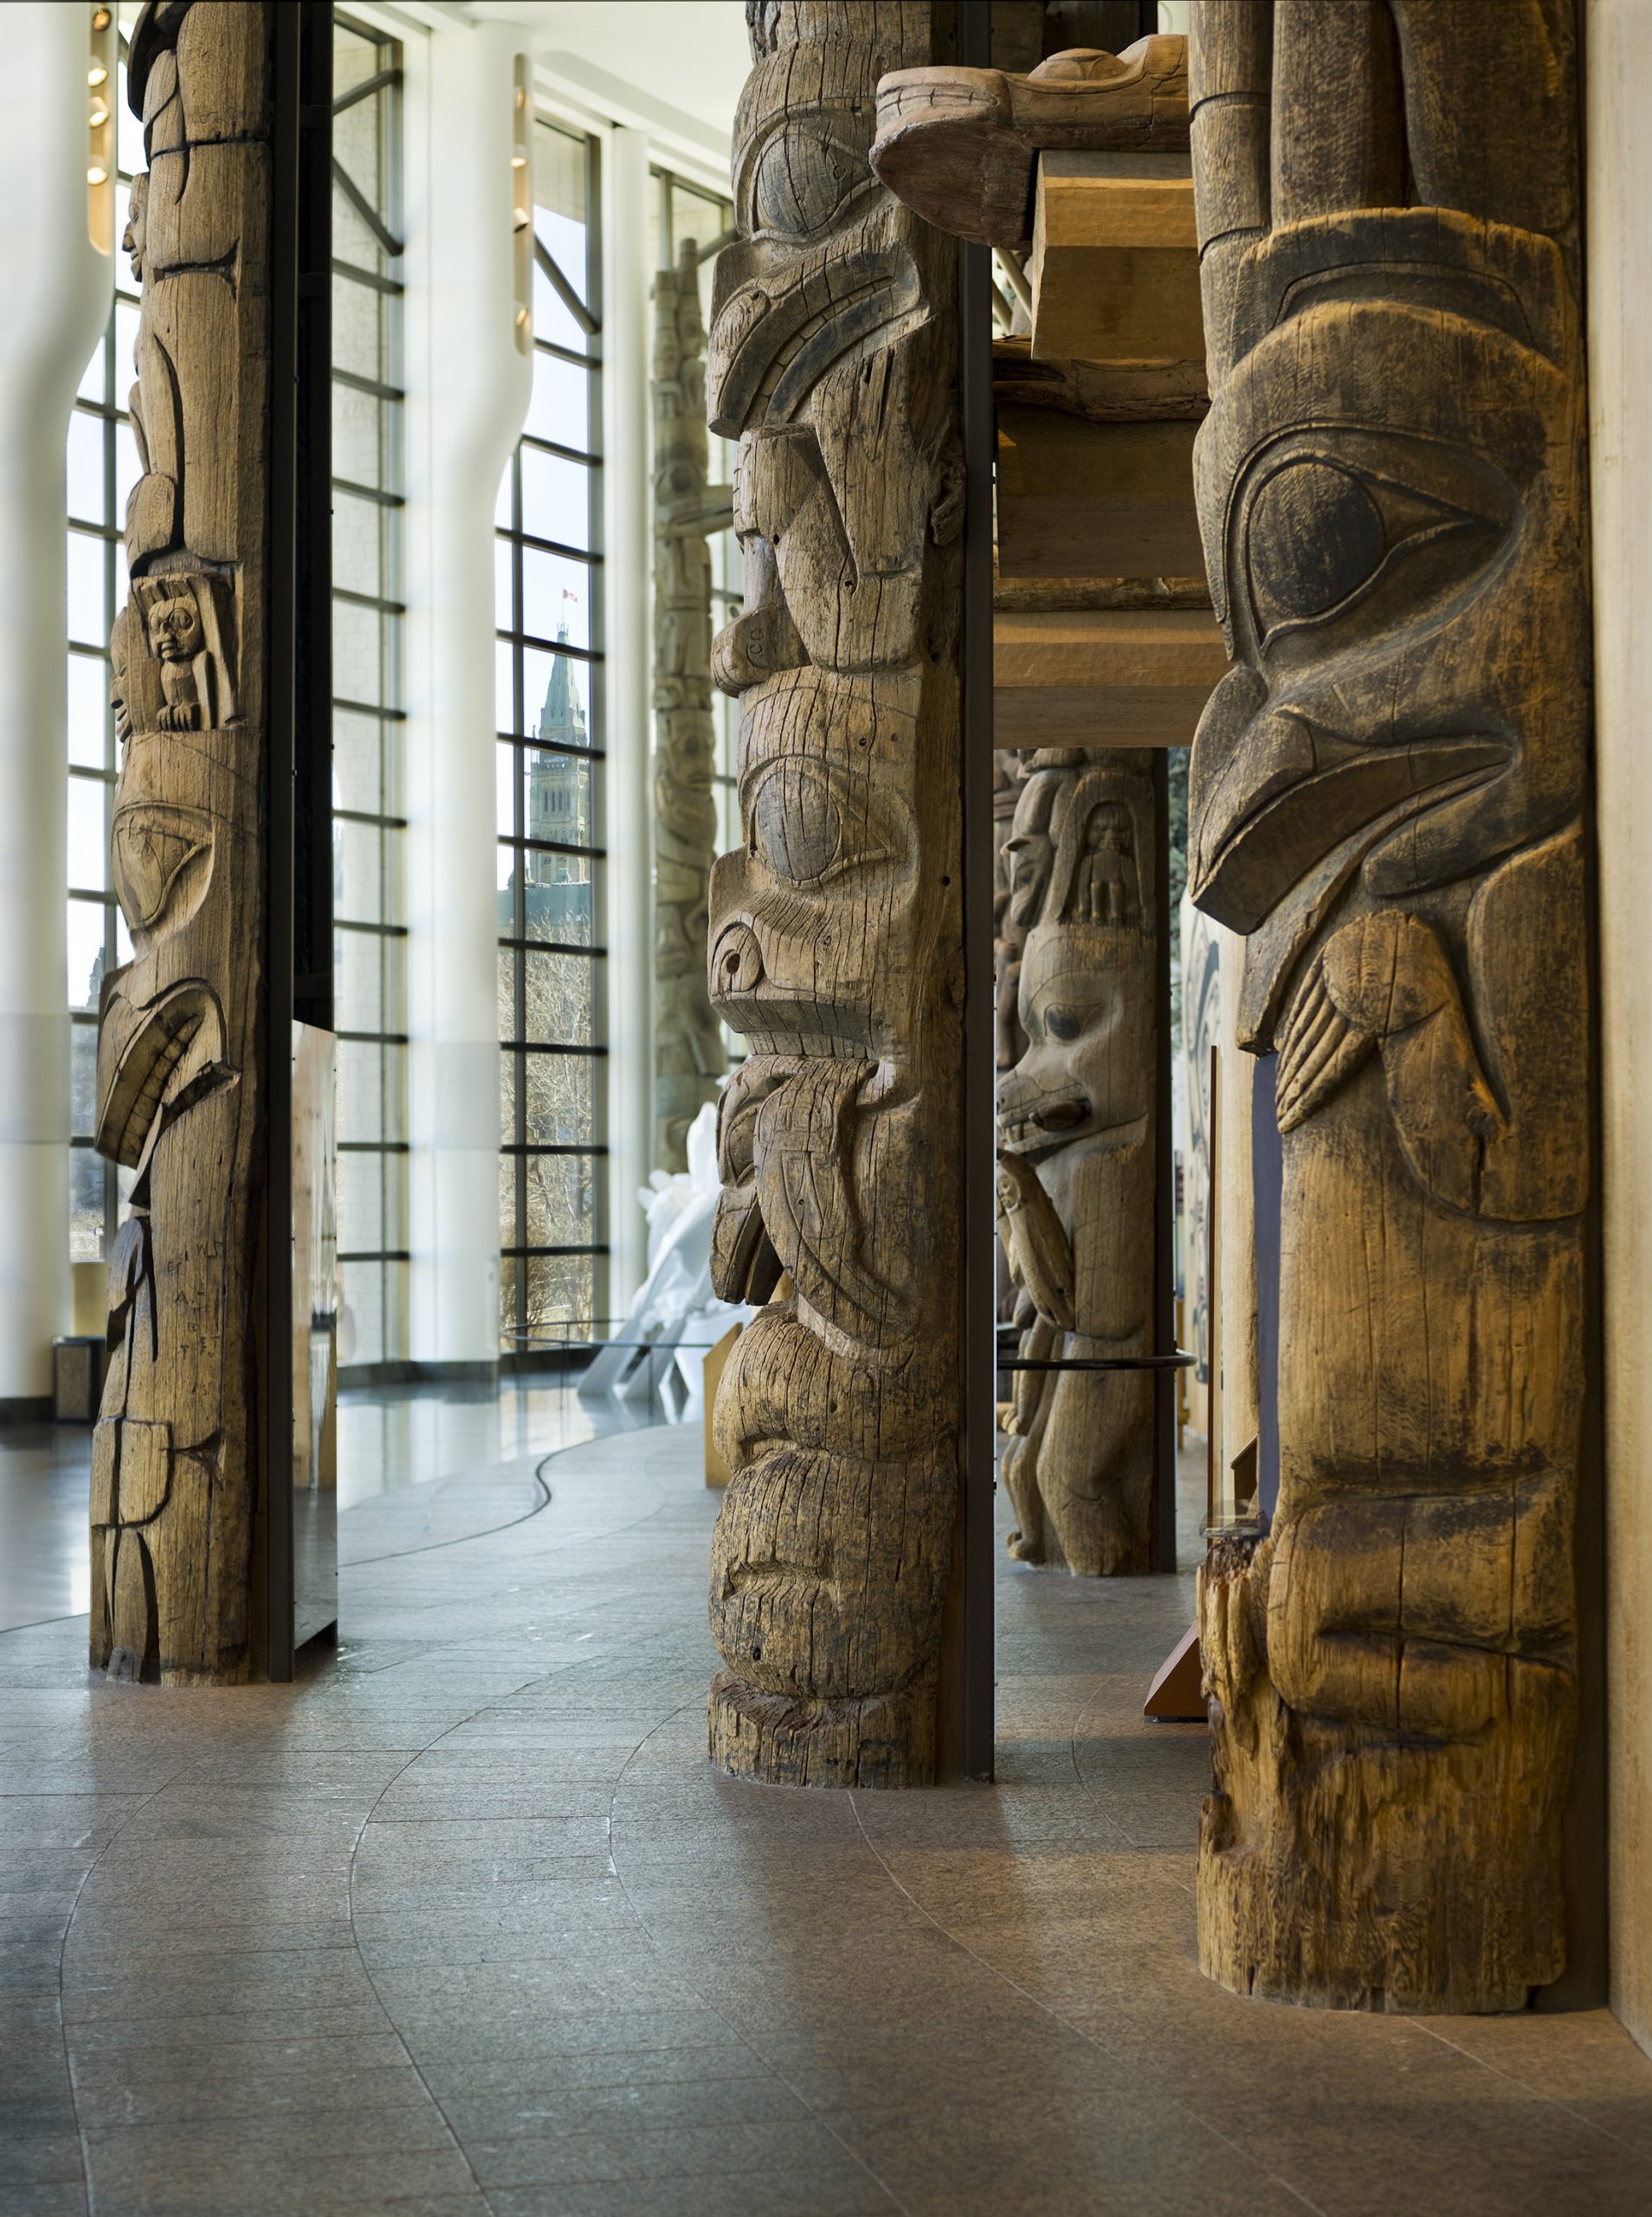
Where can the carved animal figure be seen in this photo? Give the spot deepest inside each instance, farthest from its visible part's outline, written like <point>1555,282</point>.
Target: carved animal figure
<point>690,1058</point>
<point>835,930</point>
<point>180,1079</point>
<point>1387,797</point>
<point>1076,1120</point>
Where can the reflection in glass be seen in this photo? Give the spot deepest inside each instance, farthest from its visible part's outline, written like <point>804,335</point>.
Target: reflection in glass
<point>88,834</point>
<point>85,957</point>
<point>560,407</point>
<point>89,711</point>
<point>556,498</point>
<point>85,455</point>
<point>556,597</point>
<point>88,603</point>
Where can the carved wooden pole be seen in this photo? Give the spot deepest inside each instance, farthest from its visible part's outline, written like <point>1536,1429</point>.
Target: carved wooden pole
<point>836,929</point>
<point>1387,797</point>
<point>688,1057</point>
<point>1078,941</point>
<point>181,1070</point>
<point>1076,1120</point>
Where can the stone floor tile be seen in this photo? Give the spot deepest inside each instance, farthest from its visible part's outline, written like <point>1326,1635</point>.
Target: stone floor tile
<point>477,1864</point>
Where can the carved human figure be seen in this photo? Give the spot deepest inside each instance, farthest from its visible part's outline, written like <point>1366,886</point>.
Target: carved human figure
<point>1008,937</point>
<point>1387,797</point>
<point>689,1058</point>
<point>180,1099</point>
<point>835,931</point>
<point>1075,1117</point>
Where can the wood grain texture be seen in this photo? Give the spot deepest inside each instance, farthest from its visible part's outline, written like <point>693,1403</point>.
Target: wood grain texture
<point>1388,797</point>
<point>1077,1158</point>
<point>960,146</point>
<point>688,1057</point>
<point>181,1082</point>
<point>1114,266</point>
<point>836,929</point>
<point>1129,676</point>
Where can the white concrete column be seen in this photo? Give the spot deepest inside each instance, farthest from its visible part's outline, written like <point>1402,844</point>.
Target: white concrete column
<point>1617,49</point>
<point>58,292</point>
<point>469,374</point>
<point>627,569</point>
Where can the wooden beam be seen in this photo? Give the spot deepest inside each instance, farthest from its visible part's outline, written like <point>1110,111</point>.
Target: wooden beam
<point>1084,500</point>
<point>1115,265</point>
<point>1104,678</point>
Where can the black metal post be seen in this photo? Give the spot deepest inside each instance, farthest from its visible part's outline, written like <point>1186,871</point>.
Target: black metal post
<point>298,694</point>
<point>978,1212</point>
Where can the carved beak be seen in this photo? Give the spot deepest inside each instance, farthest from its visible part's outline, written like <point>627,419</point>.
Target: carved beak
<point>1296,791</point>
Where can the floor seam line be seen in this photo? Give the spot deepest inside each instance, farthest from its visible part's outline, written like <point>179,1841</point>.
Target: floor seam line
<point>1422,2024</point>
<point>366,1968</point>
<point>762,2061</point>
<point>1051,2012</point>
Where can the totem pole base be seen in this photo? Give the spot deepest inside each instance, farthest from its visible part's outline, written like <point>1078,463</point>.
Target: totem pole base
<point>1343,1867</point>
<point>887,1741</point>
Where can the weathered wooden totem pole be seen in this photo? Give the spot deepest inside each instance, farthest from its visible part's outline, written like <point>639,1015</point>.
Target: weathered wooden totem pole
<point>688,1057</point>
<point>1076,1122</point>
<point>1080,1032</point>
<point>180,1076</point>
<point>1387,799</point>
<point>836,928</point>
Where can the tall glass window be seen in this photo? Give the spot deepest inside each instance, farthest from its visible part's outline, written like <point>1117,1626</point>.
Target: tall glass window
<point>102,470</point>
<point>369,946</point>
<point>549,716</point>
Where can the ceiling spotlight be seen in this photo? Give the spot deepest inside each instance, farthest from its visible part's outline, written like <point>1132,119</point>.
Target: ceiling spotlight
<point>96,176</point>
<point>97,74</point>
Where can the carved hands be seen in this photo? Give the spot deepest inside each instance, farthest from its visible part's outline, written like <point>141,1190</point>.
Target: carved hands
<point>1385,982</point>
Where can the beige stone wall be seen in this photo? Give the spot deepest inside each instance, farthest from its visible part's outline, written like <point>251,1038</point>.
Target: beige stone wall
<point>1618,60</point>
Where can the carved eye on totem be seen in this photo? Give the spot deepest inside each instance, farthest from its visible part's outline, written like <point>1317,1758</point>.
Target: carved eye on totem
<point>803,822</point>
<point>1322,533</point>
<point>804,178</point>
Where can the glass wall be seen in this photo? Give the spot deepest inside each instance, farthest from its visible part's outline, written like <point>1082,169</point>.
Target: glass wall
<point>369,934</point>
<point>102,468</point>
<point>549,716</point>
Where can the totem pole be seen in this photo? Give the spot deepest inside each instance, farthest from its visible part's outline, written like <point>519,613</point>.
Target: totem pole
<point>688,1057</point>
<point>1008,937</point>
<point>836,928</point>
<point>1388,796</point>
<point>181,1099</point>
<point>1076,1122</point>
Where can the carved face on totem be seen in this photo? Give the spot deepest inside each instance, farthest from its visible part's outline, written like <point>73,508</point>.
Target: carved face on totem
<point>175,629</point>
<point>1086,987</point>
<point>1387,486</point>
<point>133,239</point>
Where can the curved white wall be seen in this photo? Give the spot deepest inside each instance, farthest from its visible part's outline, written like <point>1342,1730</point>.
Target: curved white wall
<point>58,292</point>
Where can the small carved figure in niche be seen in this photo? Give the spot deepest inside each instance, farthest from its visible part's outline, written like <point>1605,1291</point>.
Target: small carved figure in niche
<point>175,634</point>
<point>183,623</point>
<point>1104,891</point>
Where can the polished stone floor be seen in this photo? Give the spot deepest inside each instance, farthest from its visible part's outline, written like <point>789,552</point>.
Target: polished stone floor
<point>391,1439</point>
<point>463,1922</point>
